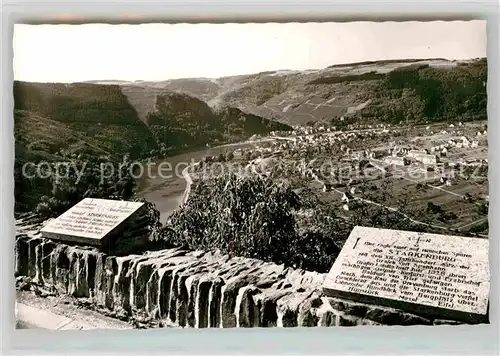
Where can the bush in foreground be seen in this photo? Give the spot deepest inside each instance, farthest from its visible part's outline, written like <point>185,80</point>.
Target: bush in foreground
<point>81,179</point>
<point>251,217</point>
<point>259,218</point>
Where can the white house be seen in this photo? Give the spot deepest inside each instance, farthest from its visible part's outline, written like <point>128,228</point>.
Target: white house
<point>394,160</point>
<point>415,153</point>
<point>422,156</point>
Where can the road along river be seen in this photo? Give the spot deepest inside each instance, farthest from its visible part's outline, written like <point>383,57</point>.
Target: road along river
<point>164,184</point>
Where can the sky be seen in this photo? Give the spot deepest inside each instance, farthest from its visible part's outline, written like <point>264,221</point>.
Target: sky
<point>72,53</point>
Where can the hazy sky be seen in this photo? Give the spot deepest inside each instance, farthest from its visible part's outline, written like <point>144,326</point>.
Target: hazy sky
<point>70,53</point>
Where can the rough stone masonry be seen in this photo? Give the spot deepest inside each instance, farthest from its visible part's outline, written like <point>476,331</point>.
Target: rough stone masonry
<point>194,288</point>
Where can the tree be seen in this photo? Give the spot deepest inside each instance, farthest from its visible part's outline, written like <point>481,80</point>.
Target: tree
<point>85,177</point>
<point>229,156</point>
<point>254,212</point>
<point>254,155</point>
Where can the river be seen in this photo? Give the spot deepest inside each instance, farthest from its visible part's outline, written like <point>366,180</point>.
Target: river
<point>164,185</point>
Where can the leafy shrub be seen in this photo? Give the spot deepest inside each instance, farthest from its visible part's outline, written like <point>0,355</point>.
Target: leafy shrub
<point>82,178</point>
<point>447,215</point>
<point>483,208</point>
<point>434,209</point>
<point>260,218</point>
<point>251,217</point>
<point>152,218</point>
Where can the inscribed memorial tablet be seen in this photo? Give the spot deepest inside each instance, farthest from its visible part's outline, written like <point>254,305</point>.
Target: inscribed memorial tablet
<point>90,221</point>
<point>439,275</point>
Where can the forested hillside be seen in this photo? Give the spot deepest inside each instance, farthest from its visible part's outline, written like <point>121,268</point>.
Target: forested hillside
<point>425,94</point>
<point>412,90</point>
<point>55,122</point>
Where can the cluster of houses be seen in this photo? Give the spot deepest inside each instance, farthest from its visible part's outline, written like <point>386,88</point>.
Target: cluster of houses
<point>463,142</point>
<point>403,156</point>
<point>324,139</point>
<point>412,156</point>
<point>304,139</point>
<point>322,142</point>
<point>302,130</point>
<point>479,132</point>
<point>305,130</point>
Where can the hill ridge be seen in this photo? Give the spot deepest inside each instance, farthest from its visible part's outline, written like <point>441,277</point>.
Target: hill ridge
<point>140,121</point>
<point>299,97</point>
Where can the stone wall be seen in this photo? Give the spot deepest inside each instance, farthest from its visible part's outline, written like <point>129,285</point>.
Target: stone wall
<point>195,288</point>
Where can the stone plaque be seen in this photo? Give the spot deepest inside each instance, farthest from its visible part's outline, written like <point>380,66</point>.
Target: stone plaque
<point>90,221</point>
<point>438,276</point>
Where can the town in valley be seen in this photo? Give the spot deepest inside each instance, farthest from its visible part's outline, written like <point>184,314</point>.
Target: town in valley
<point>355,193</point>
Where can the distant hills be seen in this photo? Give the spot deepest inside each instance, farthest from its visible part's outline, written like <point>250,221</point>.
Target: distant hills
<point>110,119</point>
<point>391,90</point>
<point>146,118</point>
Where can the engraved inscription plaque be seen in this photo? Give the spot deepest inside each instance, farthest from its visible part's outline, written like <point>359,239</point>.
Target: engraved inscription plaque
<point>90,221</point>
<point>437,275</point>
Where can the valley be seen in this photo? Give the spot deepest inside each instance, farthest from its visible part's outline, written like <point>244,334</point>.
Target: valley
<point>361,144</point>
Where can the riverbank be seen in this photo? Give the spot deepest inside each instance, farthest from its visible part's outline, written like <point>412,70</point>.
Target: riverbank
<point>169,193</point>
<point>189,182</point>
